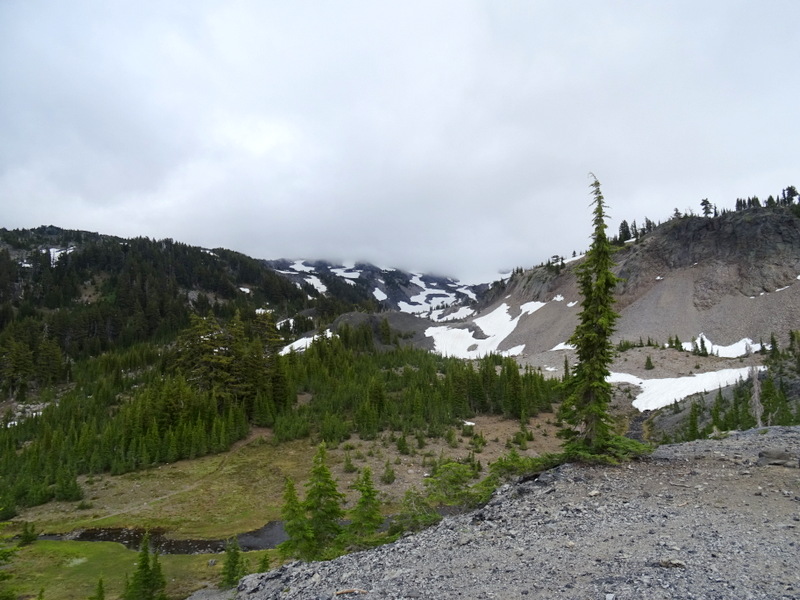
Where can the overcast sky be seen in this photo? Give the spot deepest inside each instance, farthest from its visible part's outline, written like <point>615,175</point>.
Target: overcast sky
<point>444,136</point>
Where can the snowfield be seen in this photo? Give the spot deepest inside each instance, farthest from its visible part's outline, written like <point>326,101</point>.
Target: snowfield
<point>496,326</point>
<point>315,281</point>
<point>658,393</point>
<point>741,348</point>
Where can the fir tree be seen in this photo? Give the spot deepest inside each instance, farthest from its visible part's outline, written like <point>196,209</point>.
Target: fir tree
<point>99,592</point>
<point>148,581</point>
<point>365,518</point>
<point>585,410</point>
<point>233,567</point>
<point>295,522</point>
<point>323,502</point>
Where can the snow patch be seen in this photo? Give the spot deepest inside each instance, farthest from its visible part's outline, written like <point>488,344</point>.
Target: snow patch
<point>300,267</point>
<point>379,294</point>
<point>346,273</point>
<point>571,304</point>
<point>496,326</point>
<point>56,253</point>
<point>658,393</point>
<point>303,343</point>
<point>562,346</point>
<point>318,285</point>
<point>461,313</point>
<point>531,307</point>
<point>558,298</point>
<point>743,347</point>
<point>467,292</point>
<point>246,290</point>
<point>426,299</point>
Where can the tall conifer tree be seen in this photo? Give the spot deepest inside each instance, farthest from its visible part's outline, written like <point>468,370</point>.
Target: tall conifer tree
<point>585,409</point>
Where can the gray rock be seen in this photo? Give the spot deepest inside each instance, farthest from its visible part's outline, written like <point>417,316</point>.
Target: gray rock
<point>681,525</point>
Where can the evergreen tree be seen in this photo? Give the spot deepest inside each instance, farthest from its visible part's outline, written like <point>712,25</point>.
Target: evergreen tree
<point>585,409</point>
<point>295,522</point>
<point>323,502</point>
<point>365,518</point>
<point>705,204</point>
<point>99,592</point>
<point>264,564</point>
<point>624,232</point>
<point>233,568</point>
<point>148,581</point>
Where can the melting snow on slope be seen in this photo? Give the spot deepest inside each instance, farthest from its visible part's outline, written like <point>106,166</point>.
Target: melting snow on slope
<point>301,267</point>
<point>347,273</point>
<point>741,348</point>
<point>658,393</point>
<point>315,281</point>
<point>426,299</point>
<point>496,326</point>
<point>379,294</point>
<point>562,346</point>
<point>471,295</point>
<point>56,253</point>
<point>461,313</point>
<point>303,343</point>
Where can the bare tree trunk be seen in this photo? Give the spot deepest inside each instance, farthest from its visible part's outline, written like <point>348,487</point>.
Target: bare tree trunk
<point>755,399</point>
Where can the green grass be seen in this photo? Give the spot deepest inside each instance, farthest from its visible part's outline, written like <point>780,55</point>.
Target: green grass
<point>211,498</point>
<point>70,570</point>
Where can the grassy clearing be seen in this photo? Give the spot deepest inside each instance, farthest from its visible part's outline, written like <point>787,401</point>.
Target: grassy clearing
<point>216,497</point>
<point>70,570</point>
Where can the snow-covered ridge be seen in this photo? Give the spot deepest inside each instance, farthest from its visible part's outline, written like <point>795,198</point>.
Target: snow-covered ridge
<point>412,293</point>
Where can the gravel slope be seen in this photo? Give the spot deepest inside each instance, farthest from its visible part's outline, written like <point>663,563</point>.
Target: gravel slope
<point>699,520</point>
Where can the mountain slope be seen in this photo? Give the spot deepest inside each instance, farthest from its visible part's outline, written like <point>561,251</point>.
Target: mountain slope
<point>387,288</point>
<point>730,277</point>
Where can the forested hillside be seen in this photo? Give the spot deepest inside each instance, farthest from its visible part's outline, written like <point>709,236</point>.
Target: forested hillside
<point>118,355</point>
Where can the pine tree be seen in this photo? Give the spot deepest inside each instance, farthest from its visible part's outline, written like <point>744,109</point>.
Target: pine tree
<point>365,518</point>
<point>148,581</point>
<point>232,569</point>
<point>295,522</point>
<point>585,409</point>
<point>99,592</point>
<point>323,502</point>
<point>264,564</point>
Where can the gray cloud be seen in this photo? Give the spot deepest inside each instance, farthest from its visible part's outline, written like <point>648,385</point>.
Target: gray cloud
<point>446,136</point>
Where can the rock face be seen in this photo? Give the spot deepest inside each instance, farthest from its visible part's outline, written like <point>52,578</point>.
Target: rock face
<point>695,520</point>
<point>730,277</point>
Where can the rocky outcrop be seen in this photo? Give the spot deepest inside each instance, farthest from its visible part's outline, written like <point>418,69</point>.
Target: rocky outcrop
<point>695,520</point>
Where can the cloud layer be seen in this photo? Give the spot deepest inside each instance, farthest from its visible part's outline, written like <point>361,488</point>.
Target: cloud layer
<point>444,136</point>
